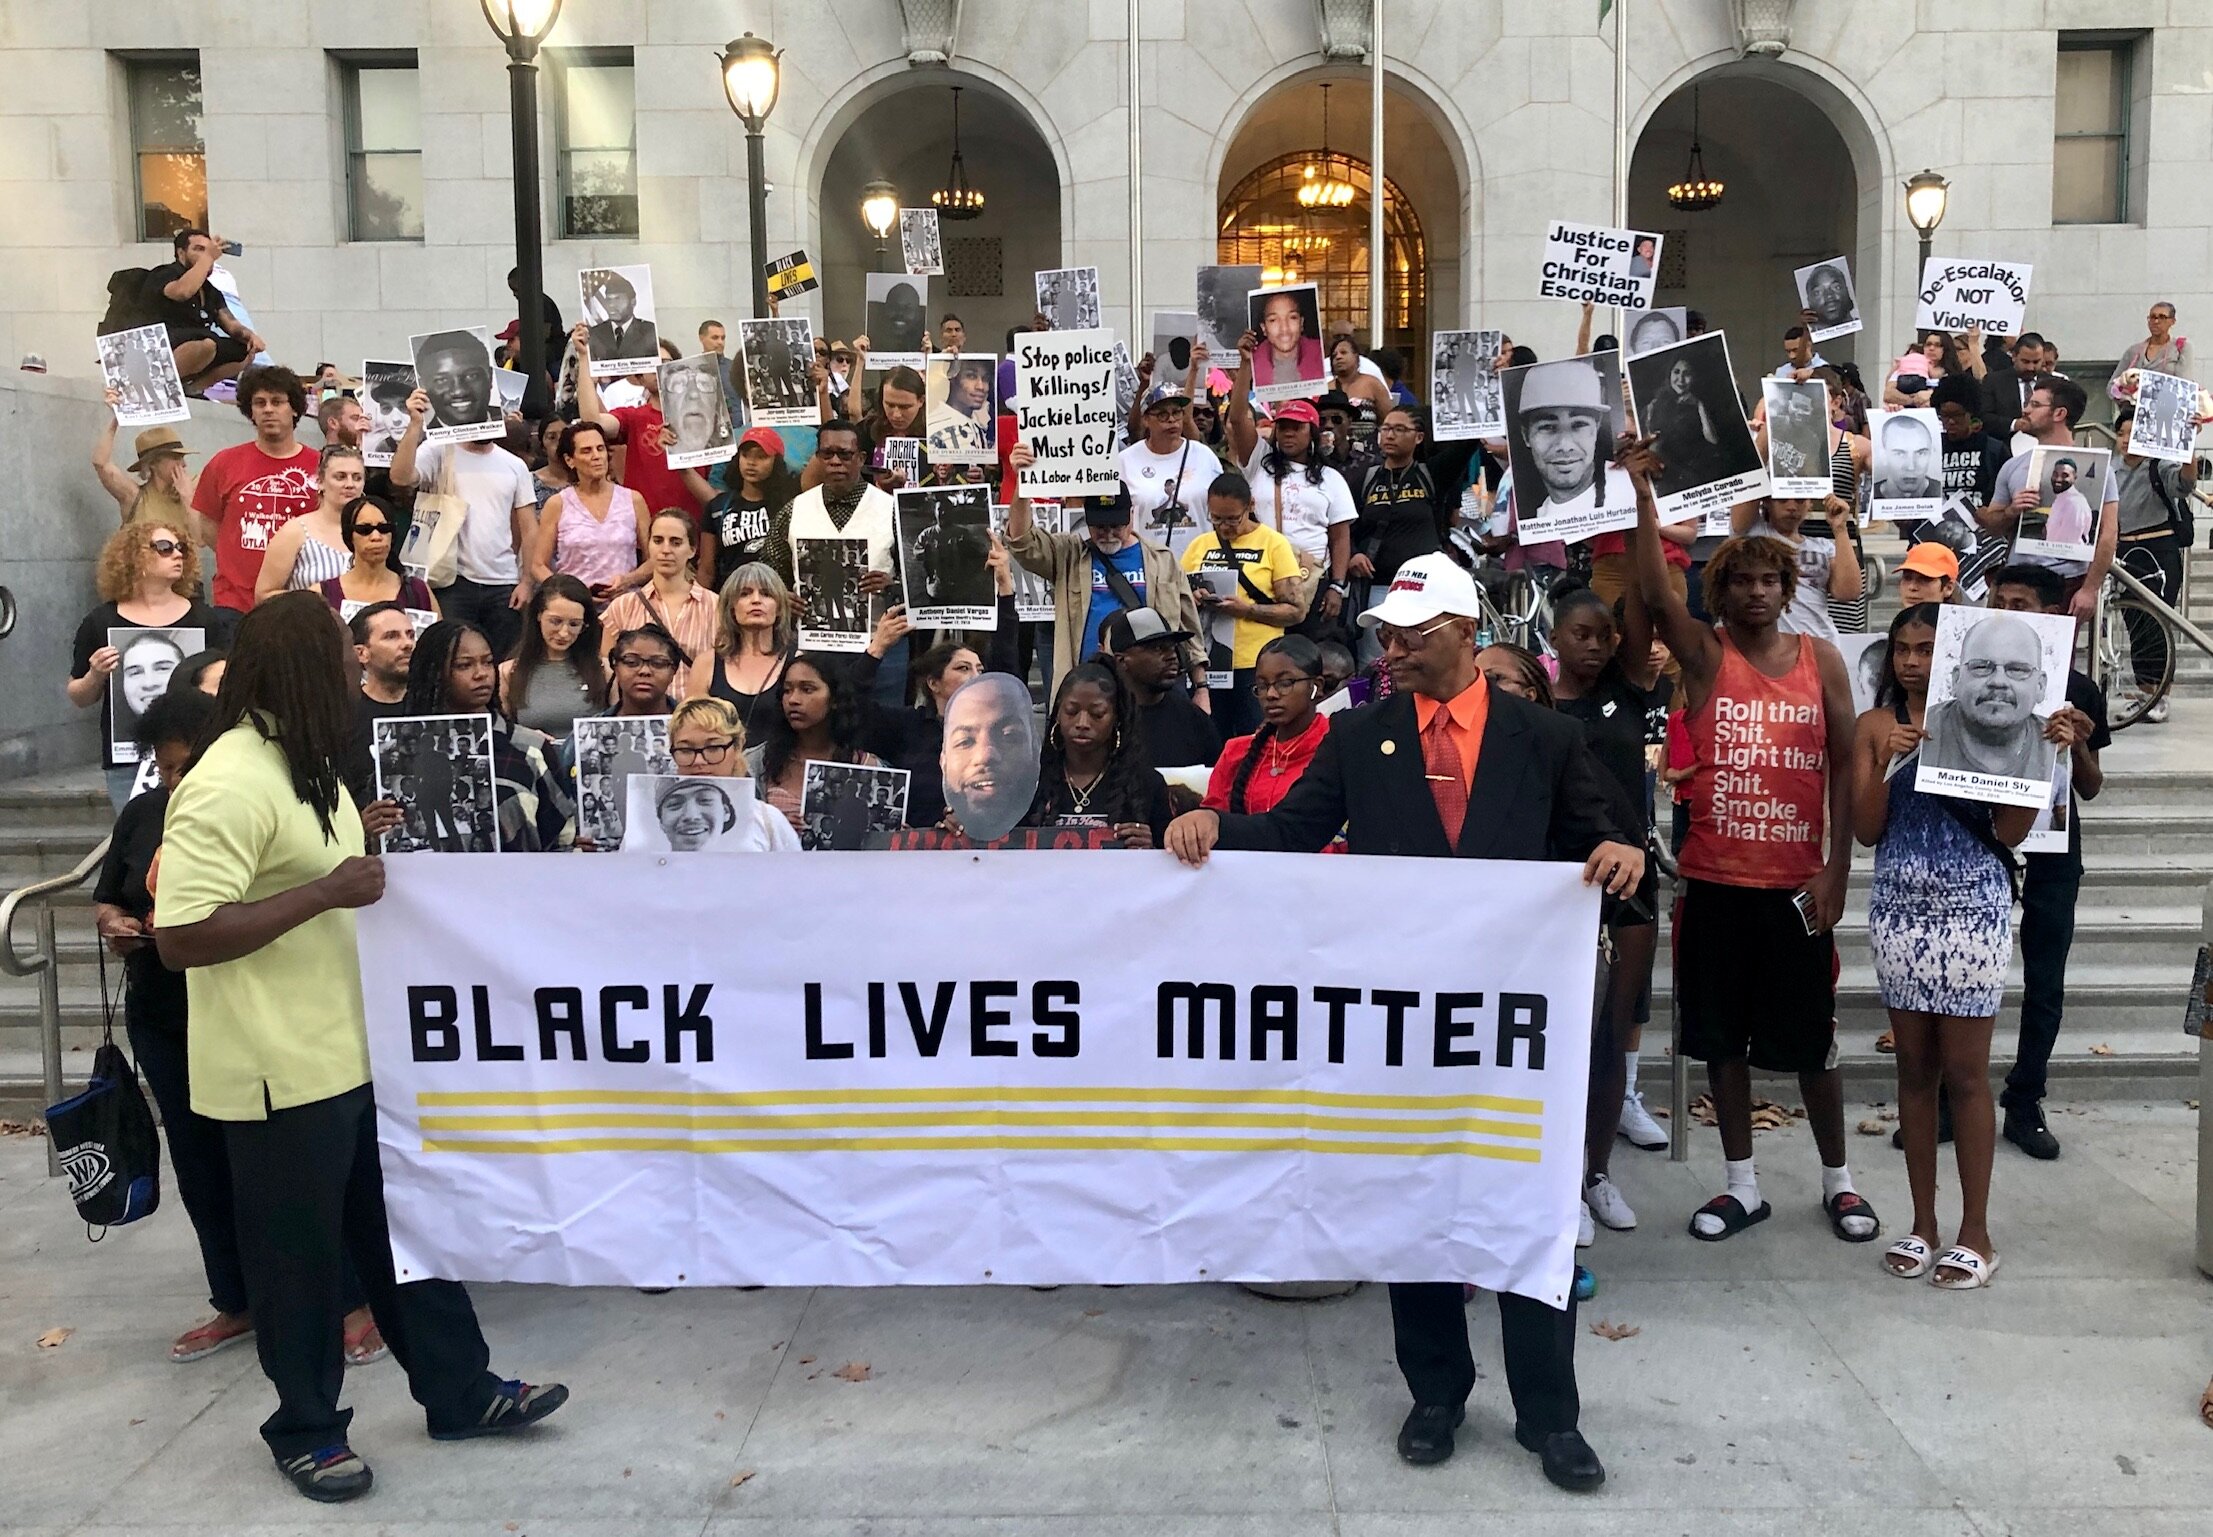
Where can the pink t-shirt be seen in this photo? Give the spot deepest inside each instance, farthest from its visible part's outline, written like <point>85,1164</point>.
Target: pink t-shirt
<point>593,550</point>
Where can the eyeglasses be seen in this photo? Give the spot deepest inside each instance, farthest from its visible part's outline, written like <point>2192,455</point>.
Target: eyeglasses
<point>631,659</point>
<point>1282,685</point>
<point>838,453</point>
<point>163,546</point>
<point>705,752</point>
<point>364,530</point>
<point>1409,640</point>
<point>1985,667</point>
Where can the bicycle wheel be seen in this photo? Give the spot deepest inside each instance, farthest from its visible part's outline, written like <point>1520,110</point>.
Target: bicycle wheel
<point>2134,661</point>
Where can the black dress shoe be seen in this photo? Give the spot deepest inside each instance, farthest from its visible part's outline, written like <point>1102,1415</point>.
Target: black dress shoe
<point>1426,1437</point>
<point>2025,1129</point>
<point>1568,1458</point>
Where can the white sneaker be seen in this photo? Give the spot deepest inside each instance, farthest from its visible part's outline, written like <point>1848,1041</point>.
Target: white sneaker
<point>2157,714</point>
<point>1585,1233</point>
<point>1602,1198</point>
<point>1639,1127</point>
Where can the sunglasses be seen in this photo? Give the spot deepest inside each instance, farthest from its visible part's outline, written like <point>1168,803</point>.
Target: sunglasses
<point>163,546</point>
<point>363,530</point>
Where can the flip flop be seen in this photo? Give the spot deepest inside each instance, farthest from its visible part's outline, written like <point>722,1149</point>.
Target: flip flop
<point>1887,1043</point>
<point>365,1347</point>
<point>1915,1252</point>
<point>1734,1218</point>
<point>1850,1203</point>
<point>198,1344</point>
<point>1978,1270</point>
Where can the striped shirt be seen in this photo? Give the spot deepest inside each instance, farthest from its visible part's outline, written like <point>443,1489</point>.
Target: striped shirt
<point>317,563</point>
<point>692,621</point>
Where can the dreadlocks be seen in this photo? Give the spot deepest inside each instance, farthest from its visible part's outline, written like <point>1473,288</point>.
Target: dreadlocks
<point>287,675</point>
<point>426,674</point>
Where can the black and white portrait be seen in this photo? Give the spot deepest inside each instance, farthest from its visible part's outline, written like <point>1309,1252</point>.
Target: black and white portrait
<point>139,366</point>
<point>1825,292</point>
<point>1563,418</point>
<point>146,659</point>
<point>1687,398</point>
<point>1654,329</point>
<point>1175,338</point>
<point>833,614</point>
<point>2166,424</point>
<point>1221,308</point>
<point>688,814</point>
<point>1908,467</point>
<point>988,758</point>
<point>454,368</point>
<point>1069,297</point>
<point>962,427</point>
<point>1289,362</point>
<point>609,750</point>
<point>944,555</point>
<point>918,241</point>
<point>1797,436</point>
<point>385,387</point>
<point>1466,400</point>
<point>695,409</point>
<point>439,769</point>
<point>1864,655</point>
<point>1033,594</point>
<point>842,805</point>
<point>2070,484</point>
<point>1995,679</point>
<point>618,307</point>
<point>898,320</point>
<point>778,359</point>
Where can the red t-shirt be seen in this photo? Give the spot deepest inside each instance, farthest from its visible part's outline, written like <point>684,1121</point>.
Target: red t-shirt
<point>249,495</point>
<point>645,463</point>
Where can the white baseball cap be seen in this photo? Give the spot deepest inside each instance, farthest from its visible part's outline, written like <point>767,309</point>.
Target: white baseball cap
<point>1424,589</point>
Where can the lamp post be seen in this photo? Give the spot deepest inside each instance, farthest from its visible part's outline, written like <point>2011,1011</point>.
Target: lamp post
<point>1926,195</point>
<point>752,73</point>
<point>879,211</point>
<point>522,25</point>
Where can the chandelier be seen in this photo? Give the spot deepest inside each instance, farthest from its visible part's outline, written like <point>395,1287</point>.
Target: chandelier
<point>957,199</point>
<point>1320,187</point>
<point>1697,191</point>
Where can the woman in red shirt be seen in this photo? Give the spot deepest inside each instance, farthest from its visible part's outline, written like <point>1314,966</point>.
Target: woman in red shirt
<point>1255,772</point>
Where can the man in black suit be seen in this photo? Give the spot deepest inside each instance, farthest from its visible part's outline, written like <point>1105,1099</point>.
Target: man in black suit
<point>623,334</point>
<point>1450,767</point>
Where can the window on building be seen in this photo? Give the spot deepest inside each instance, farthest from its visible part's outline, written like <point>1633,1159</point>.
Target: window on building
<point>384,149</point>
<point>597,154</point>
<point>2093,108</point>
<point>170,161</point>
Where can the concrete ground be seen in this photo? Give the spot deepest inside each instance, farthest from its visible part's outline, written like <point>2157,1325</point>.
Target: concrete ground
<point>1776,1383</point>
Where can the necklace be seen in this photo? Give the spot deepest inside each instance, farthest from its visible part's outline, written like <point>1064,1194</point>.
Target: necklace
<point>1079,796</point>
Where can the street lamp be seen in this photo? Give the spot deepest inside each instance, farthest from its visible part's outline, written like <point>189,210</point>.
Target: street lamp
<point>751,75</point>
<point>880,210</point>
<point>1926,195</point>
<point>521,25</point>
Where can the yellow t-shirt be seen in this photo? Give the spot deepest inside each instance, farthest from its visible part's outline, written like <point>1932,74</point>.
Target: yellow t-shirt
<point>287,1019</point>
<point>1266,557</point>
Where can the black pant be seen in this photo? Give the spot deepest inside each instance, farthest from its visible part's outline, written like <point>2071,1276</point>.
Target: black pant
<point>310,1190</point>
<point>2048,896</point>
<point>2157,563</point>
<point>484,605</point>
<point>1430,1327</point>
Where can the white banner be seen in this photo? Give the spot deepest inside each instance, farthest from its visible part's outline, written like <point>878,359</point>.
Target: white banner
<point>803,1099</point>
<point>1961,295</point>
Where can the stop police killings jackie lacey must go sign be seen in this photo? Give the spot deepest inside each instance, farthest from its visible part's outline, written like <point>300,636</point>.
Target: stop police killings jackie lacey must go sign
<point>1058,1087</point>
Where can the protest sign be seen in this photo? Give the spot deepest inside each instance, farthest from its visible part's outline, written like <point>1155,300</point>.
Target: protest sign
<point>1655,329</point>
<point>454,368</point>
<point>1907,472</point>
<point>1221,308</point>
<point>898,320</point>
<point>1825,292</point>
<point>993,1101</point>
<point>142,370</point>
<point>1176,336</point>
<point>147,656</point>
<point>695,409</point>
<point>1961,295</point>
<point>918,241</point>
<point>1994,681</point>
<point>385,387</point>
<point>1797,436</point>
<point>1033,595</point>
<point>1865,654</point>
<point>609,750</point>
<point>1687,398</point>
<point>617,304</point>
<point>2070,485</point>
<point>2167,411</point>
<point>1064,409</point>
<point>688,814</point>
<point>1289,363</point>
<point>944,549</point>
<point>777,357</point>
<point>790,276</point>
<point>902,457</point>
<point>835,613</point>
<point>1563,418</point>
<point>848,805</point>
<point>438,768</point>
<point>1069,298</point>
<point>1590,263</point>
<point>1463,383</point>
<point>963,428</point>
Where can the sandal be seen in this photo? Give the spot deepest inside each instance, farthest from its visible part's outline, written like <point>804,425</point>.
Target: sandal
<point>1734,1218</point>
<point>1887,1043</point>
<point>218,1333</point>
<point>1917,1255</point>
<point>1976,1271</point>
<point>365,1346</point>
<point>1845,1205</point>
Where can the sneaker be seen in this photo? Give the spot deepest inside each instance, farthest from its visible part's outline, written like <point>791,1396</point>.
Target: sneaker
<point>329,1475</point>
<point>1603,1199</point>
<point>1586,1233</point>
<point>515,1405</point>
<point>1639,1127</point>
<point>1586,1284</point>
<point>2157,714</point>
<point>2025,1129</point>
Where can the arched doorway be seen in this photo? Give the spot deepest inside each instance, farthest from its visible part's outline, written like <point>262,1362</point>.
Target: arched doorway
<point>905,137</point>
<point>1796,193</point>
<point>1261,219</point>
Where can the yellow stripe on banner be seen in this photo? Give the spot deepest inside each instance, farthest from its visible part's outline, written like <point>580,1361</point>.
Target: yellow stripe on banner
<point>621,1120</point>
<point>1320,1098</point>
<point>994,1144</point>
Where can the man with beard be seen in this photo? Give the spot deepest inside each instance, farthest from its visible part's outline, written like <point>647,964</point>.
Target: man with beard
<point>1566,427</point>
<point>1829,296</point>
<point>2068,521</point>
<point>989,757</point>
<point>455,371</point>
<point>1906,466</point>
<point>1989,725</point>
<point>384,644</point>
<point>2055,405</point>
<point>1149,655</point>
<point>622,334</point>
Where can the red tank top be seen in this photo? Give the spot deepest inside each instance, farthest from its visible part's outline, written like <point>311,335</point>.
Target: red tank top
<point>1759,798</point>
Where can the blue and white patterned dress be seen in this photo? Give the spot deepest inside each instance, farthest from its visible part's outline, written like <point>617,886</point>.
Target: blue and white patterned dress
<point>1940,913</point>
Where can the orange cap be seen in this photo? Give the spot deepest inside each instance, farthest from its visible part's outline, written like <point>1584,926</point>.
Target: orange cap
<point>1930,558</point>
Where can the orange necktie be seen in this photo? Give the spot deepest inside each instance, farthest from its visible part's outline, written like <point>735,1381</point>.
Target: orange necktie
<point>1441,765</point>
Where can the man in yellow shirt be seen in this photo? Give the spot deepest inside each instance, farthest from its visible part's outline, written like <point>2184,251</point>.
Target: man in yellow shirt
<point>1245,579</point>
<point>260,869</point>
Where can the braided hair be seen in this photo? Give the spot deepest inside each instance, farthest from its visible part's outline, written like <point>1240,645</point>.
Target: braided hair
<point>1307,658</point>
<point>433,659</point>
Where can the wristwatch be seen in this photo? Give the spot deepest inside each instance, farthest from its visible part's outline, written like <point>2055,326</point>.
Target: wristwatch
<point>1340,588</point>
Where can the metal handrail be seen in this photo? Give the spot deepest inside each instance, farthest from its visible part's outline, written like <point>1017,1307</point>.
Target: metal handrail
<point>41,964</point>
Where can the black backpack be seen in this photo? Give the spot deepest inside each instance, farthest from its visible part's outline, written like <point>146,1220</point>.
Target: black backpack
<point>128,307</point>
